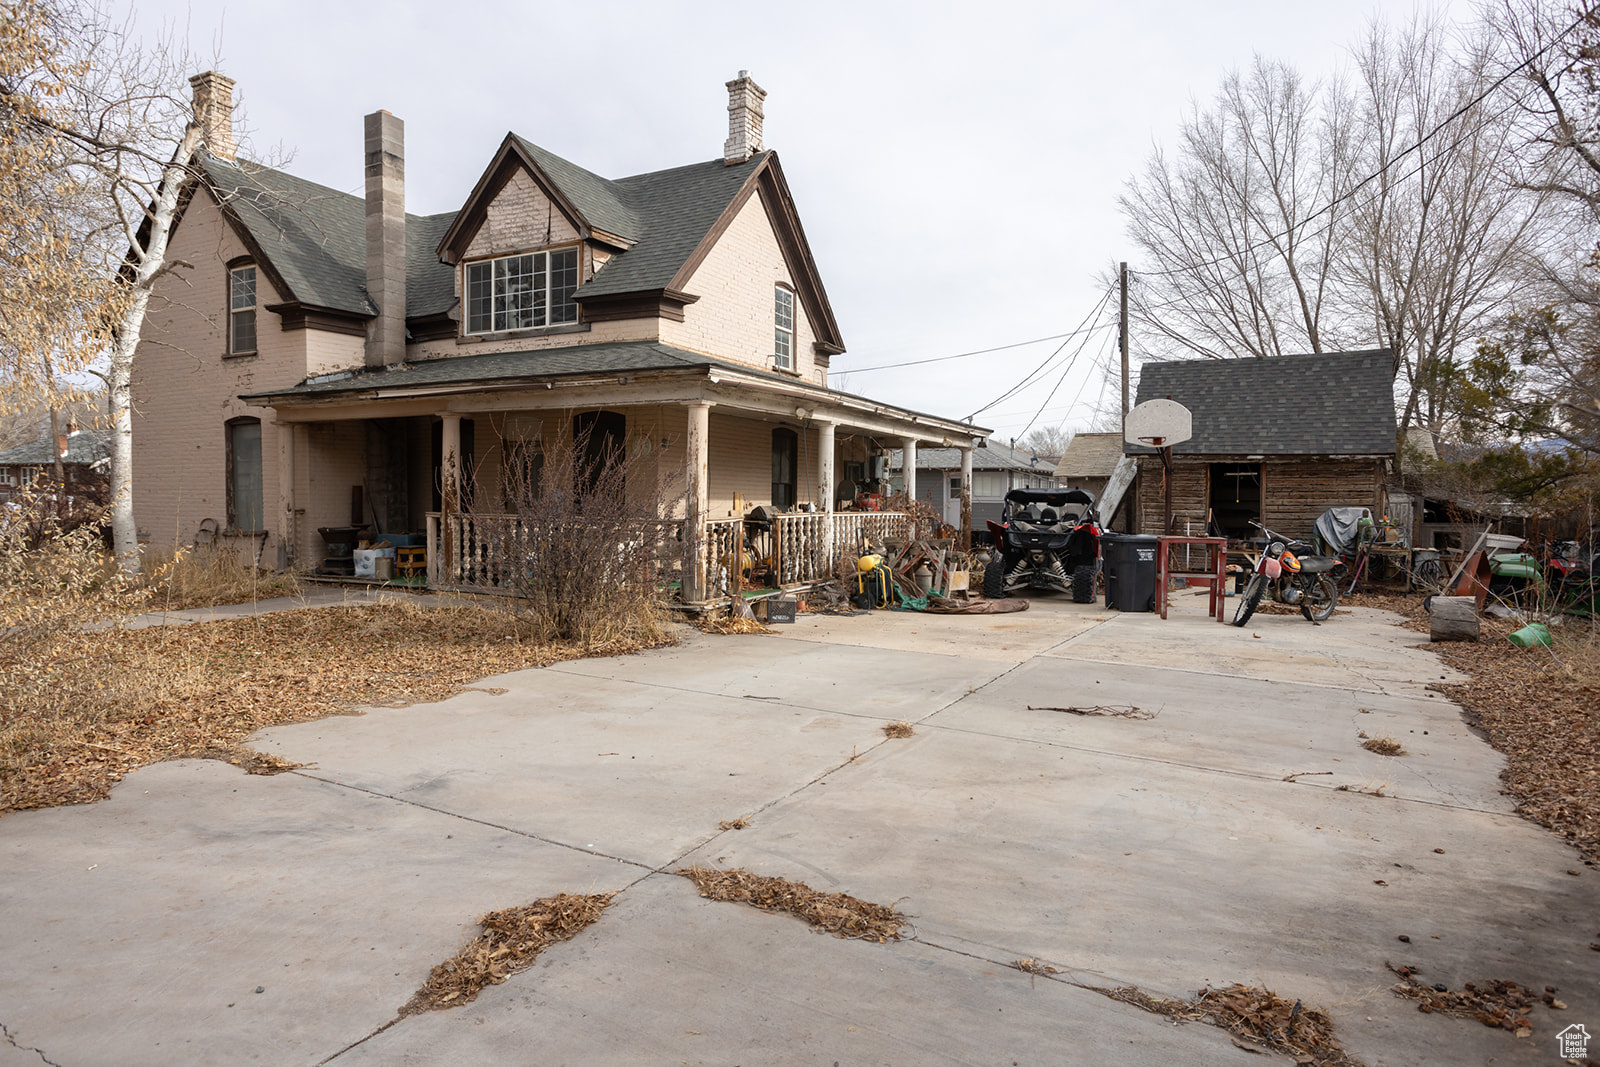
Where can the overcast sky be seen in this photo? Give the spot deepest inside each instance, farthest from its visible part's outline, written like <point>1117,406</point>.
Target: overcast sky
<point>956,167</point>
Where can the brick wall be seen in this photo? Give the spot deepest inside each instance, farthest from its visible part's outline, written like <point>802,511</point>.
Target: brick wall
<point>521,218</point>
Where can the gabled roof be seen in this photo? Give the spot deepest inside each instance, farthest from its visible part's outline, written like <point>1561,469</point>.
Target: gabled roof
<point>312,240</point>
<point>989,456</point>
<point>1090,455</point>
<point>83,446</point>
<point>1336,403</point>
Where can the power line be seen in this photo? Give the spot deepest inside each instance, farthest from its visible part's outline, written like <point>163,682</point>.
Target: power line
<point>1375,175</point>
<point>1071,362</point>
<point>959,355</point>
<point>1028,380</point>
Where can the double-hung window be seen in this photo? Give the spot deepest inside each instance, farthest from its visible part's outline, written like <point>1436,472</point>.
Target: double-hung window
<point>522,292</point>
<point>241,311</point>
<point>783,328</point>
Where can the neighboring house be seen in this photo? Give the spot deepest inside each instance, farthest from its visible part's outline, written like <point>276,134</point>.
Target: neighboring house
<point>331,359</point>
<point>85,456</point>
<point>1087,464</point>
<point>996,470</point>
<point>1277,440</point>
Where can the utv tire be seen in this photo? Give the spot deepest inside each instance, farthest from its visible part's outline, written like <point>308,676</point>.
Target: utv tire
<point>1319,601</point>
<point>1083,584</point>
<point>1250,599</point>
<point>994,580</point>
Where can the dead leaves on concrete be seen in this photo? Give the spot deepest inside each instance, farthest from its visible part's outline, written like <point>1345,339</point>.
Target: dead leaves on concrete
<point>836,913</point>
<point>1383,746</point>
<point>1498,1004</point>
<point>511,940</point>
<point>730,624</point>
<point>1258,1019</point>
<point>109,702</point>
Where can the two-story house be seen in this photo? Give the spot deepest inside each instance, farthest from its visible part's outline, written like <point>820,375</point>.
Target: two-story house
<point>329,359</point>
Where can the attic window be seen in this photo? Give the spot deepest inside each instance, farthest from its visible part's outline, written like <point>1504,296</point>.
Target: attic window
<point>241,311</point>
<point>522,292</point>
<point>783,328</point>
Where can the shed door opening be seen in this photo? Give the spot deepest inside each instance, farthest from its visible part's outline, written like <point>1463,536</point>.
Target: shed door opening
<point>1235,499</point>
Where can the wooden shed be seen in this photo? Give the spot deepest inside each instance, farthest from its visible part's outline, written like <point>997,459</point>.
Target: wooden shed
<point>1278,440</point>
<point>1087,464</point>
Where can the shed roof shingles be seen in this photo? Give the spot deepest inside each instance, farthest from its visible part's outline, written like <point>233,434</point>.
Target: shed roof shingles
<point>1337,403</point>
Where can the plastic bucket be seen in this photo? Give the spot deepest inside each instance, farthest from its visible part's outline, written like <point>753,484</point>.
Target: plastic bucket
<point>1535,633</point>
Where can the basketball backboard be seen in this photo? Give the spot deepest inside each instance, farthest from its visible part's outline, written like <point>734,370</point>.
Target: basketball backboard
<point>1158,424</point>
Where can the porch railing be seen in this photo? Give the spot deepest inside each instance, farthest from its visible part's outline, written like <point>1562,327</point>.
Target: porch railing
<point>486,553</point>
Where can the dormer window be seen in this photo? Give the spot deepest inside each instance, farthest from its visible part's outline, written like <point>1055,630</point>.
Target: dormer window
<point>783,328</point>
<point>241,311</point>
<point>522,292</point>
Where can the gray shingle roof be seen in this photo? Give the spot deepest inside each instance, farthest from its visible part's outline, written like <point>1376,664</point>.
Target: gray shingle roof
<point>601,201</point>
<point>316,239</point>
<point>83,446</point>
<point>1338,403</point>
<point>675,209</point>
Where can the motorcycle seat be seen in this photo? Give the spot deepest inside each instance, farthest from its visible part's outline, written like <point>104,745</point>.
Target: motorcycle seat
<point>1317,564</point>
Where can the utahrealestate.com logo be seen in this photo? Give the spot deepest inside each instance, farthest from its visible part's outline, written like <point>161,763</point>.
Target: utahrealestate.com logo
<point>1574,1042</point>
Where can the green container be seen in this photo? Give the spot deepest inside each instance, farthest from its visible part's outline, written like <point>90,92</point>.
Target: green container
<point>1535,633</point>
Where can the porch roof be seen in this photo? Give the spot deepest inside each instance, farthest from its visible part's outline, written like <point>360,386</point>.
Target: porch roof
<point>502,369</point>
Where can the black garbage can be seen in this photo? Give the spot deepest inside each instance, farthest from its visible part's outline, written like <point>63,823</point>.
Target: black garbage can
<point>1130,565</point>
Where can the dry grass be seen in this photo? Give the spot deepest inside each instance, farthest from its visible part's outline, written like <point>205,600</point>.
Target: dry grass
<point>1535,705</point>
<point>837,913</point>
<point>511,940</point>
<point>1031,965</point>
<point>1261,1018</point>
<point>1383,746</point>
<point>79,710</point>
<point>733,824</point>
<point>209,578</point>
<point>898,729</point>
<point>730,624</point>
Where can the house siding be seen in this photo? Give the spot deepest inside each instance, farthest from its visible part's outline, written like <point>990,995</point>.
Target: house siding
<point>1294,492</point>
<point>733,319</point>
<point>519,219</point>
<point>185,389</point>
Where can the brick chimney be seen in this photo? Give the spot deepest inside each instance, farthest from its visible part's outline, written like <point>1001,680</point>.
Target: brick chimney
<point>213,110</point>
<point>386,238</point>
<point>744,119</point>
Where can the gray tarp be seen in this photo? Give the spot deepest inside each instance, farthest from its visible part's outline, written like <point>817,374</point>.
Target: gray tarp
<point>1336,531</point>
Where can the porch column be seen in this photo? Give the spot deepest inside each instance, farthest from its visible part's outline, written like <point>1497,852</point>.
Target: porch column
<point>697,501</point>
<point>286,478</point>
<point>908,464</point>
<point>825,490</point>
<point>449,491</point>
<point>966,499</point>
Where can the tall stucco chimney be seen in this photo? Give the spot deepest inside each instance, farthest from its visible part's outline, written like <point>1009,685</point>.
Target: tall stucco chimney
<point>744,119</point>
<point>213,110</point>
<point>386,238</point>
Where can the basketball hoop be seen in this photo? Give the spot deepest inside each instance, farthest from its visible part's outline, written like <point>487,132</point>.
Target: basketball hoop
<point>1160,424</point>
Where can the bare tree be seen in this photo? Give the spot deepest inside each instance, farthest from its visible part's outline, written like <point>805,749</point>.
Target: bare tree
<point>1300,219</point>
<point>1050,442</point>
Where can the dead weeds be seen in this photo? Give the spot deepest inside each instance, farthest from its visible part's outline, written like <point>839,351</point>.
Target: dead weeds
<point>1115,711</point>
<point>730,624</point>
<point>1383,746</point>
<point>836,913</point>
<point>898,729</point>
<point>1534,705</point>
<point>83,710</point>
<point>512,939</point>
<point>1258,1019</point>
<point>733,824</point>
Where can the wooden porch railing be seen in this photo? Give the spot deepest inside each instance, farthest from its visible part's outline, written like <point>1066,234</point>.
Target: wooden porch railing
<point>482,553</point>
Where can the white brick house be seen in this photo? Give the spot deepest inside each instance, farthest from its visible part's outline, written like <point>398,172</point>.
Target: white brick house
<point>327,353</point>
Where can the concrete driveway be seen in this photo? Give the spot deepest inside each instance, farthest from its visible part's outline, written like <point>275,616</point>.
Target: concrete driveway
<point>204,916</point>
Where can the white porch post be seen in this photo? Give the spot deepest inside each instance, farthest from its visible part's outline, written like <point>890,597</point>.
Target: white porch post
<point>449,491</point>
<point>286,510</point>
<point>908,464</point>
<point>695,476</point>
<point>966,499</point>
<point>825,489</point>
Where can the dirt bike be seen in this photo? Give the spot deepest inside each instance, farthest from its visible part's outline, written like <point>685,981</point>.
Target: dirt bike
<point>1302,581</point>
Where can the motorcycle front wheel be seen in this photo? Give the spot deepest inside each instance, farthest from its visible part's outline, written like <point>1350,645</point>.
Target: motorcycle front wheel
<point>1250,599</point>
<point>1320,599</point>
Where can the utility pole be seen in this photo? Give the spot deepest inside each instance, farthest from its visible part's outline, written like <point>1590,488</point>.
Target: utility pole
<point>1122,337</point>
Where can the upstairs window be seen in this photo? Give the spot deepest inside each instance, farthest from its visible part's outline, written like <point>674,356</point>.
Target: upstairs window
<point>241,311</point>
<point>783,328</point>
<point>522,292</point>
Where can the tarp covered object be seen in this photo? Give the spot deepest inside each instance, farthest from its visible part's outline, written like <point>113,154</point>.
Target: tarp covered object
<point>1338,530</point>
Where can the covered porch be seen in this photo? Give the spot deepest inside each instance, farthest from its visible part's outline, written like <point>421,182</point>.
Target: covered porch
<point>743,478</point>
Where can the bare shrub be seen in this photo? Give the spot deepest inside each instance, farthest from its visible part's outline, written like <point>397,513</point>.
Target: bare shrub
<point>583,544</point>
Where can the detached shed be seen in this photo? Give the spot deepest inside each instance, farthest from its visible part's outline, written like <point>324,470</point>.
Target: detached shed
<point>1087,464</point>
<point>1278,440</point>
